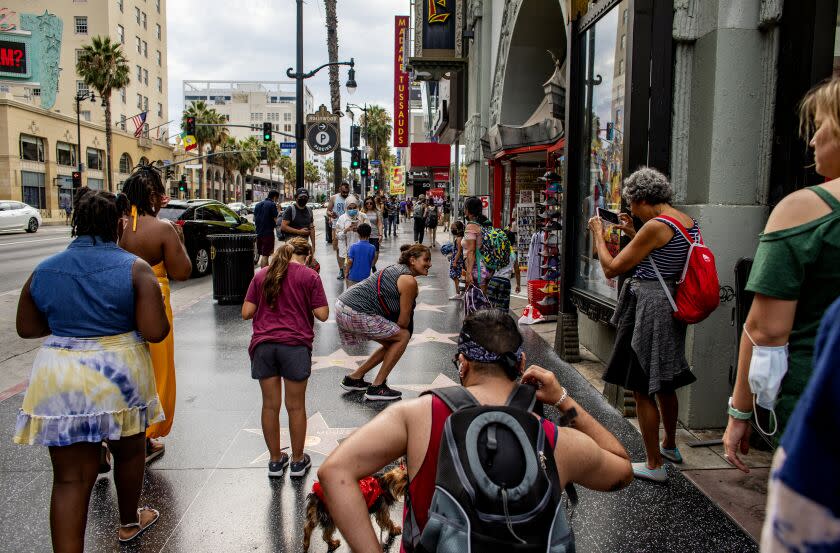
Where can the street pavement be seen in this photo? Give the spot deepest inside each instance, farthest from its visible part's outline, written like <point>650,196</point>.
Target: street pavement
<point>211,485</point>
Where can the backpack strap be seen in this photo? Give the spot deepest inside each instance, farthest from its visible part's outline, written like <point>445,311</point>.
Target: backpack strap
<point>523,397</point>
<point>680,228</point>
<point>664,286</point>
<point>455,397</point>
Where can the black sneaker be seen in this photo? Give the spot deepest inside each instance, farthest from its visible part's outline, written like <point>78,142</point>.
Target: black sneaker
<point>299,468</point>
<point>340,275</point>
<point>382,393</point>
<point>277,468</point>
<point>355,384</point>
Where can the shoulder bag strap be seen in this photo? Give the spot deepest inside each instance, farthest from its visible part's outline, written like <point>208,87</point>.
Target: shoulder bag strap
<point>455,397</point>
<point>379,292</point>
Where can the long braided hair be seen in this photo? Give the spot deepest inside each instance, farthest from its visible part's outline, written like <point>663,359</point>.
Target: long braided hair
<point>279,265</point>
<point>97,213</point>
<point>145,182</point>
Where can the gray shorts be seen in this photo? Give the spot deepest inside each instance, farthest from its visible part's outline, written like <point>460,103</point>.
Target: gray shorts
<point>290,362</point>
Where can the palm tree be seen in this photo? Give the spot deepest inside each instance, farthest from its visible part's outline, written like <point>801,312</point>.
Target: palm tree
<point>287,168</point>
<point>249,159</point>
<point>335,87</point>
<point>311,175</point>
<point>103,67</point>
<point>377,125</point>
<point>199,110</point>
<point>228,161</point>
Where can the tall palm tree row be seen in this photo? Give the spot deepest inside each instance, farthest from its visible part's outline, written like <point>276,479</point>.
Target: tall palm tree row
<point>335,87</point>
<point>103,67</point>
<point>377,125</point>
<point>204,135</point>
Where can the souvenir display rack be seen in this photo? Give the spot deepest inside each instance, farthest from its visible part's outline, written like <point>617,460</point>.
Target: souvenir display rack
<point>544,294</point>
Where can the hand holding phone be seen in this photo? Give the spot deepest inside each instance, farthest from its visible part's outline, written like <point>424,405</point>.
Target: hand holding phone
<point>609,216</point>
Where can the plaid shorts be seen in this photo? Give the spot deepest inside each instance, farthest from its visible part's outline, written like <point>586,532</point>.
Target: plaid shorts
<point>498,292</point>
<point>358,328</point>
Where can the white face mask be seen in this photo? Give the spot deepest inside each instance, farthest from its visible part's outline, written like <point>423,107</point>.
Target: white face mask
<point>768,366</point>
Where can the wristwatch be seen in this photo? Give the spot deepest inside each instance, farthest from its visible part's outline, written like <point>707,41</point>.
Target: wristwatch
<point>736,414</point>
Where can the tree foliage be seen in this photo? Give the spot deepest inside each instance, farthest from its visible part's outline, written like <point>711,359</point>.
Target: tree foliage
<point>376,125</point>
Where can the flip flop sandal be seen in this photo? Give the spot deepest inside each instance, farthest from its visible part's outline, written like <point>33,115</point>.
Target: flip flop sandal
<point>137,524</point>
<point>104,459</point>
<point>153,450</point>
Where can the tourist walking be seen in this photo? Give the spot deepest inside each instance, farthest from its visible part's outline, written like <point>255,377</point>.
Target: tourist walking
<point>160,243</point>
<point>477,273</point>
<point>456,263</point>
<point>446,208</point>
<point>403,209</point>
<point>649,353</point>
<point>489,361</point>
<point>388,211</point>
<point>394,218</point>
<point>375,220</point>
<point>381,309</point>
<point>346,229</point>
<point>419,215</point>
<point>360,256</point>
<point>432,222</point>
<point>335,209</point>
<point>283,300</point>
<point>298,219</point>
<point>795,277</point>
<point>265,221</point>
<point>92,380</point>
<point>498,287</point>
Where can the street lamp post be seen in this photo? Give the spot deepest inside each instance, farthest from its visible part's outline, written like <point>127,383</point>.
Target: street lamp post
<point>364,132</point>
<point>299,76</point>
<point>80,97</point>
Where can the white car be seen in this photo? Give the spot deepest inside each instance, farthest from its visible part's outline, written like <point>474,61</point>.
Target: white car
<point>18,216</point>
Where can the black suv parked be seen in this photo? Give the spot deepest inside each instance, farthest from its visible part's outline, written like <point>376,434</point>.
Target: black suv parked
<point>200,219</point>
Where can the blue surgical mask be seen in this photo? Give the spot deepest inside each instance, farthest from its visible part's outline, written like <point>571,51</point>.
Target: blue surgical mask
<point>352,212</point>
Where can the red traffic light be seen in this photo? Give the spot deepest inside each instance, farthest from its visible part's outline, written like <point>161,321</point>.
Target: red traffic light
<point>77,179</point>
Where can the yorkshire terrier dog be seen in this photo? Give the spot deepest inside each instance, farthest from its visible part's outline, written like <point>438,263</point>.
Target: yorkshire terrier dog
<point>380,491</point>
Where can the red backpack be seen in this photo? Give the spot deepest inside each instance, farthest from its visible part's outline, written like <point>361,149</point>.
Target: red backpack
<point>698,289</point>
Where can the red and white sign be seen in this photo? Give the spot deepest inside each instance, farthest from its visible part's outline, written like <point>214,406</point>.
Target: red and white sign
<point>440,175</point>
<point>401,94</point>
<point>485,205</point>
<point>437,193</point>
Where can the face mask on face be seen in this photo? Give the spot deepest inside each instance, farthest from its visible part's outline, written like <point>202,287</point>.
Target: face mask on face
<point>768,366</point>
<point>302,201</point>
<point>352,212</point>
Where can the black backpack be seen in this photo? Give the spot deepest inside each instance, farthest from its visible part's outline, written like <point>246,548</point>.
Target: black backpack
<point>497,487</point>
<point>282,236</point>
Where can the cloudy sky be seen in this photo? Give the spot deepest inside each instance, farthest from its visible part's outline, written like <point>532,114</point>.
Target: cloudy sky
<point>255,40</point>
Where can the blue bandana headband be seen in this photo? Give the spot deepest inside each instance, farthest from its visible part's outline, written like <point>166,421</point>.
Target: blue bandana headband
<point>474,351</point>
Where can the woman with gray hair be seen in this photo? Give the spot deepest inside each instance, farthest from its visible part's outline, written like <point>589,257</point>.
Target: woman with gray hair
<point>649,353</point>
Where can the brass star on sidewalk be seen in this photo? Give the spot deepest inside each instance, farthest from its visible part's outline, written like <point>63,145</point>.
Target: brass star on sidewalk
<point>320,437</point>
<point>338,358</point>
<point>430,307</point>
<point>440,381</point>
<point>431,335</point>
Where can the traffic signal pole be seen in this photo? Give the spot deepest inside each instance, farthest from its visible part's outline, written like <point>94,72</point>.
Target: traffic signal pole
<point>299,124</point>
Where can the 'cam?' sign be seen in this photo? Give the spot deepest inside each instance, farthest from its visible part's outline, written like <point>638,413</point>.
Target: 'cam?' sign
<point>13,59</point>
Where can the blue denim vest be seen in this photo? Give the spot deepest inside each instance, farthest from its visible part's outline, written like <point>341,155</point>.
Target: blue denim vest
<point>86,290</point>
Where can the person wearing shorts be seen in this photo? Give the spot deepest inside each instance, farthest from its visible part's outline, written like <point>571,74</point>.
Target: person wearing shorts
<point>381,309</point>
<point>265,220</point>
<point>283,300</point>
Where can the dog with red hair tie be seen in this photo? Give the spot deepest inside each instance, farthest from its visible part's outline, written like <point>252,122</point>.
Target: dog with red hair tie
<point>380,492</point>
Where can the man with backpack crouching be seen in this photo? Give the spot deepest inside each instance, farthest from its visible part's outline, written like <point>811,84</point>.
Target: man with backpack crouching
<point>501,477</point>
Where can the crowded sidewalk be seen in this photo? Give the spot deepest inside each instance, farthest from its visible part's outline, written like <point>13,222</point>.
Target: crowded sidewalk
<point>211,486</point>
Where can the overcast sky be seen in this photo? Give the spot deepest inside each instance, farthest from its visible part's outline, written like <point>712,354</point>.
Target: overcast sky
<point>255,40</point>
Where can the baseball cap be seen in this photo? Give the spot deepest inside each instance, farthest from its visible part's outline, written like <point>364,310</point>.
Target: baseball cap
<point>302,192</point>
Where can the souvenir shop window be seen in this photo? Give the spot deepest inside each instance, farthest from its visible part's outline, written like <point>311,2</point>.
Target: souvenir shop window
<point>602,142</point>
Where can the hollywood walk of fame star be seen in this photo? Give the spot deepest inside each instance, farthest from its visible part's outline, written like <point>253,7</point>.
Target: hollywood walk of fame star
<point>320,437</point>
<point>440,381</point>
<point>338,358</point>
<point>430,335</point>
<point>430,307</point>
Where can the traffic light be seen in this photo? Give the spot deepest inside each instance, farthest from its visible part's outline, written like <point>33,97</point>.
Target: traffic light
<point>264,153</point>
<point>375,184</point>
<point>266,132</point>
<point>77,179</point>
<point>364,168</point>
<point>355,158</point>
<point>355,135</point>
<point>189,127</point>
<point>182,184</point>
<point>168,173</point>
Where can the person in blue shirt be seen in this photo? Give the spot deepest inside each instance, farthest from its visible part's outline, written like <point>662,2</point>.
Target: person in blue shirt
<point>360,257</point>
<point>265,219</point>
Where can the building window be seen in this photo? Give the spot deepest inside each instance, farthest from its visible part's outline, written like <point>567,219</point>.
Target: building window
<point>121,33</point>
<point>157,5</point>
<point>139,73</point>
<point>287,116</point>
<point>122,95</point>
<point>32,185</point>
<point>143,17</point>
<point>31,148</point>
<point>85,114</point>
<point>125,163</point>
<point>287,128</point>
<point>95,184</point>
<point>121,123</point>
<point>145,49</point>
<point>139,101</point>
<point>623,42</point>
<point>145,77</point>
<point>137,44</point>
<point>159,84</point>
<point>82,88</point>
<point>160,110</point>
<point>36,92</point>
<point>120,5</point>
<point>158,33</point>
<point>81,24</point>
<point>159,59</point>
<point>65,154</point>
<point>94,159</point>
<point>145,103</point>
<point>137,14</point>
<point>601,146</point>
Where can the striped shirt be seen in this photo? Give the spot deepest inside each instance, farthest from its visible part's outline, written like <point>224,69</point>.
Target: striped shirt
<point>364,298</point>
<point>670,258</point>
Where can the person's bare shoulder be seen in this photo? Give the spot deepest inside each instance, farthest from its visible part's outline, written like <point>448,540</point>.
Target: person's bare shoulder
<point>796,209</point>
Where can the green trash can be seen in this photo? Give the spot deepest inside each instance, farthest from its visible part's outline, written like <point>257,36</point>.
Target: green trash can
<point>232,256</point>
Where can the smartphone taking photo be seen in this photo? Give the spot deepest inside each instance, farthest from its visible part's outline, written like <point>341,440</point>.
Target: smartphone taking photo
<point>609,216</point>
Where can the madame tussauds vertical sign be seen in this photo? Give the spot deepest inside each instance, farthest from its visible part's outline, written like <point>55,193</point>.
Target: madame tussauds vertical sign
<point>400,84</point>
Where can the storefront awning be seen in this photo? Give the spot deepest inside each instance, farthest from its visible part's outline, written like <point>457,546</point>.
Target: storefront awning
<point>429,154</point>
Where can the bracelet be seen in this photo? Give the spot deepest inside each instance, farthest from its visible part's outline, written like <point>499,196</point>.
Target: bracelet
<point>562,398</point>
<point>738,414</point>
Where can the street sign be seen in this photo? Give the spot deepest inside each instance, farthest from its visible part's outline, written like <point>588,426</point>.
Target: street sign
<point>375,162</point>
<point>322,131</point>
<point>288,145</point>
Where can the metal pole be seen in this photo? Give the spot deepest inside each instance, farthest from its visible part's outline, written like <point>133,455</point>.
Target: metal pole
<point>299,126</point>
<point>457,183</point>
<point>78,135</point>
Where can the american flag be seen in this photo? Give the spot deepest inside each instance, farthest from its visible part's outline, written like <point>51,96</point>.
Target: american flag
<point>138,121</point>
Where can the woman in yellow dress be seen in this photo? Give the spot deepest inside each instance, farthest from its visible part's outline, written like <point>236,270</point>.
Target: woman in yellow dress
<point>161,245</point>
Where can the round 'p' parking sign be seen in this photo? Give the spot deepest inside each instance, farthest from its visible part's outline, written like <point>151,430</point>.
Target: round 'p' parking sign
<point>322,138</point>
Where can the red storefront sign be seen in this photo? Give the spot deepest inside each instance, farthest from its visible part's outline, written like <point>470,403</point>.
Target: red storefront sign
<point>440,175</point>
<point>437,193</point>
<point>400,84</point>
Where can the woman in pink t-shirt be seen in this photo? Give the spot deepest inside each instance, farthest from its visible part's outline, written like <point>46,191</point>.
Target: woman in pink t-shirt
<point>283,300</point>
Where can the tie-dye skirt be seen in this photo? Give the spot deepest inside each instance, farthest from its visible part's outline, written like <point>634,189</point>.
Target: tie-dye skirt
<point>88,390</point>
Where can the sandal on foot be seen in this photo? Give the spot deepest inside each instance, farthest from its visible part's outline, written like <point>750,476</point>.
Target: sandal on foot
<point>104,459</point>
<point>153,450</point>
<point>139,524</point>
